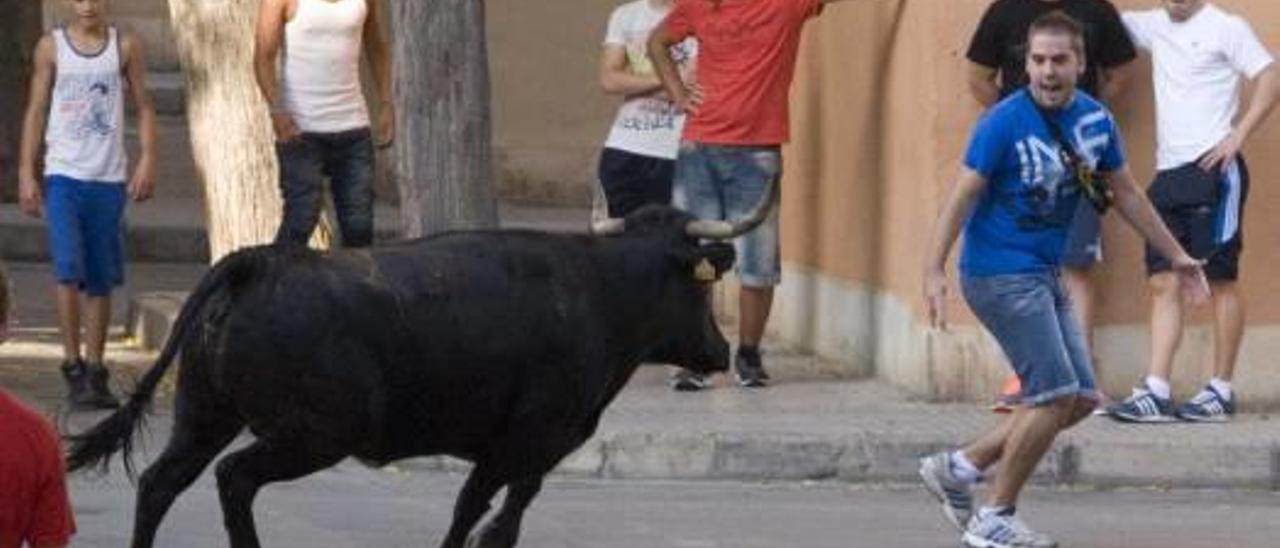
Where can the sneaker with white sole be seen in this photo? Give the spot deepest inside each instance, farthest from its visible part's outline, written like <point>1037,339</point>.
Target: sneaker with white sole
<point>1143,406</point>
<point>1003,530</point>
<point>1207,406</point>
<point>956,495</point>
<point>684,380</point>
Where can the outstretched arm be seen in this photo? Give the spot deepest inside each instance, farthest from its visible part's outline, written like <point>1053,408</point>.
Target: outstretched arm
<point>960,202</point>
<point>1137,210</point>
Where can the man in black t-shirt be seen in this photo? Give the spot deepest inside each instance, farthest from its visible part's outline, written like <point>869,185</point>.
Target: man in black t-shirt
<point>997,55</point>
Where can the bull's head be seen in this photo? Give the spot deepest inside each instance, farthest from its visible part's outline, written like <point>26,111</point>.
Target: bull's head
<point>700,257</point>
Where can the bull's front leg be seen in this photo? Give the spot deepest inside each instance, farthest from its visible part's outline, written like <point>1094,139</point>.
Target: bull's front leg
<point>473,502</point>
<point>504,530</point>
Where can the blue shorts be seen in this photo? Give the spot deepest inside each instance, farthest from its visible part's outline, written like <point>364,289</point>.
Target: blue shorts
<point>85,233</point>
<point>1032,319</point>
<point>719,182</point>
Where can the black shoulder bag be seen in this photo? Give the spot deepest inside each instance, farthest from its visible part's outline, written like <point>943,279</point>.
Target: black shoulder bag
<point>1096,187</point>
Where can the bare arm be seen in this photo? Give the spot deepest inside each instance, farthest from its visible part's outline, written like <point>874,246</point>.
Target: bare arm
<point>1137,210</point>
<point>668,72</point>
<point>33,125</point>
<point>960,202</point>
<point>1265,93</point>
<point>268,36</point>
<point>379,56</point>
<point>615,79</point>
<point>135,71</point>
<point>982,84</point>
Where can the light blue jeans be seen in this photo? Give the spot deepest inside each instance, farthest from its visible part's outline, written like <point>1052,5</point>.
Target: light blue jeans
<point>1031,317</point>
<point>722,182</point>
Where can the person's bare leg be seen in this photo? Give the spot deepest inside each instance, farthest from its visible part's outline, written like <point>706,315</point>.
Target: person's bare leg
<point>1166,323</point>
<point>1028,441</point>
<point>985,452</point>
<point>68,298</point>
<point>754,304</point>
<point>97,318</point>
<point>1228,328</point>
<point>1079,285</point>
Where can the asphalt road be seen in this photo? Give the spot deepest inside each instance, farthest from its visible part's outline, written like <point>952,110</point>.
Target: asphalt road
<point>356,507</point>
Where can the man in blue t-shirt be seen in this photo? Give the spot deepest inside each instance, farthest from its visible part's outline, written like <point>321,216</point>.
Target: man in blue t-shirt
<point>1031,158</point>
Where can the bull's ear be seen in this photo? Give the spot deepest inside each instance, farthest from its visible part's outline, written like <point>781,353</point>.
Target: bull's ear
<point>706,263</point>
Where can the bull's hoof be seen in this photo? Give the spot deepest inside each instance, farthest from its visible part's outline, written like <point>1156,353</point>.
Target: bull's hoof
<point>490,536</point>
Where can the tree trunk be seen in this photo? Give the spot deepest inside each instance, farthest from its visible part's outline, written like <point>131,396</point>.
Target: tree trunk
<point>443,156</point>
<point>231,136</point>
<point>19,31</point>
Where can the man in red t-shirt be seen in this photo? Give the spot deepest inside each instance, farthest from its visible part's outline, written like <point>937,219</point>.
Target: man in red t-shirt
<point>730,152</point>
<point>34,508</point>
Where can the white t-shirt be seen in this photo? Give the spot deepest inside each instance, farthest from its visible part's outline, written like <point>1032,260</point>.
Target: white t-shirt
<point>1197,66</point>
<point>645,125</point>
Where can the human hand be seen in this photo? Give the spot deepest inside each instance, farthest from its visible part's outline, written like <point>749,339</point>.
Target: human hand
<point>690,100</point>
<point>1195,287</point>
<point>1222,154</point>
<point>935,297</point>
<point>142,184</point>
<point>385,128</point>
<point>29,197</point>
<point>285,128</point>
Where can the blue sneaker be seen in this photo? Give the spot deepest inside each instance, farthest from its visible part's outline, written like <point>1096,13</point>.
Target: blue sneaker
<point>1143,406</point>
<point>1207,406</point>
<point>955,495</point>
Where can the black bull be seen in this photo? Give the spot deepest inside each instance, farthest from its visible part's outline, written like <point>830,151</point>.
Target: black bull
<point>500,347</point>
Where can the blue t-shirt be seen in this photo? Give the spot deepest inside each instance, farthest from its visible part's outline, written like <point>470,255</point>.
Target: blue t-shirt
<point>1020,222</point>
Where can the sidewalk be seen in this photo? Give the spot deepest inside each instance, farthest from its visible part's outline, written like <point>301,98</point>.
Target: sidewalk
<point>809,426</point>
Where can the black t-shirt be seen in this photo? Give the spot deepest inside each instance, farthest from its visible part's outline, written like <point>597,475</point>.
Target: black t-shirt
<point>1001,39</point>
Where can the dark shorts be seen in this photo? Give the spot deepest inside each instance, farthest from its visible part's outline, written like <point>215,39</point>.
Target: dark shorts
<point>86,233</point>
<point>632,180</point>
<point>1204,211</point>
<point>1084,238</point>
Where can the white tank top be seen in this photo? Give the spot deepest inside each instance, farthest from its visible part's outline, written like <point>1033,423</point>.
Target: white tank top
<point>320,76</point>
<point>84,138</point>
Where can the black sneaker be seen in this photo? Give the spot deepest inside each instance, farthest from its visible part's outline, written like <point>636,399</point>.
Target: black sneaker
<point>87,386</point>
<point>749,369</point>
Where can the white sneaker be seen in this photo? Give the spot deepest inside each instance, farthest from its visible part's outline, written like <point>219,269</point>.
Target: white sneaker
<point>992,530</point>
<point>955,495</point>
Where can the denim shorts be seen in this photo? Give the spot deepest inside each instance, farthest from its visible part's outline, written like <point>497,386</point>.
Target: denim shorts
<point>1032,319</point>
<point>722,182</point>
<point>86,233</point>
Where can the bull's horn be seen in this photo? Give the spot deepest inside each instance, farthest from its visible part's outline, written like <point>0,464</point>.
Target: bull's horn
<point>601,223</point>
<point>725,230</point>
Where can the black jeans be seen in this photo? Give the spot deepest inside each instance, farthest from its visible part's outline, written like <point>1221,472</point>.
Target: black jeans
<point>346,158</point>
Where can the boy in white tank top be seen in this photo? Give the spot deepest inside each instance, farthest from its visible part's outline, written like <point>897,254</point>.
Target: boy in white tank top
<point>307,63</point>
<point>81,73</point>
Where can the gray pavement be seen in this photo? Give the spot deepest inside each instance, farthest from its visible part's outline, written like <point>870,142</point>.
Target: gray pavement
<point>351,506</point>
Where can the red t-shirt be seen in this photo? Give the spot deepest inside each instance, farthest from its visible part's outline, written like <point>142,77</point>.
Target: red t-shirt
<point>746,58</point>
<point>34,508</point>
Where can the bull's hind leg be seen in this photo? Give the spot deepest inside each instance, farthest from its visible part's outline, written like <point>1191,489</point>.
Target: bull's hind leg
<point>473,502</point>
<point>199,434</point>
<point>504,530</point>
<point>243,473</point>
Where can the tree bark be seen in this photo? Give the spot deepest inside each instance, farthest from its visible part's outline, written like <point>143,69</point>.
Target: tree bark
<point>443,155</point>
<point>231,135</point>
<point>19,30</point>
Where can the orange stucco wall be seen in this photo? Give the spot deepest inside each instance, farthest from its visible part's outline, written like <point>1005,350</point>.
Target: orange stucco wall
<point>881,118</point>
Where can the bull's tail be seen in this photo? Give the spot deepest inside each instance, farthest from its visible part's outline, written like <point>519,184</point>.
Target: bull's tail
<point>115,433</point>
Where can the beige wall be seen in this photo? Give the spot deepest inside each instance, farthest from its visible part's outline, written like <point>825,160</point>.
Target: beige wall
<point>882,116</point>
